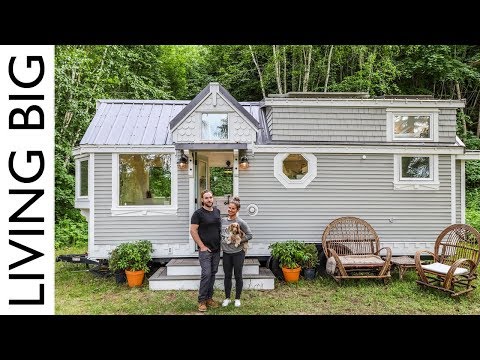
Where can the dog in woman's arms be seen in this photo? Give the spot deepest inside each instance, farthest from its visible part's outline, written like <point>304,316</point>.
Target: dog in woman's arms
<point>235,235</point>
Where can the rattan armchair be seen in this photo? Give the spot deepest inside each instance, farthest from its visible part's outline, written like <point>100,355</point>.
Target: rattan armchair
<point>455,261</point>
<point>353,245</point>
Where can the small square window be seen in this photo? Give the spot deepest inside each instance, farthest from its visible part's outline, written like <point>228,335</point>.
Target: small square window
<point>411,126</point>
<point>416,172</point>
<point>214,126</point>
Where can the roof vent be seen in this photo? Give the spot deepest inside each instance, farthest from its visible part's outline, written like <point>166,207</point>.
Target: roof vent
<point>322,95</point>
<point>418,97</point>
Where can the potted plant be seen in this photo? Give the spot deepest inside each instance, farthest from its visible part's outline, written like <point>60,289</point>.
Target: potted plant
<point>133,257</point>
<point>113,264</point>
<point>310,261</point>
<point>291,254</point>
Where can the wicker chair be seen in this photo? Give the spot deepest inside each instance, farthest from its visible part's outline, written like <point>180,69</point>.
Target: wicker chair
<point>354,247</point>
<point>455,256</point>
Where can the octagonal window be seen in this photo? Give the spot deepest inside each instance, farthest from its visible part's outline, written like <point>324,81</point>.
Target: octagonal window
<point>295,170</point>
<point>295,166</point>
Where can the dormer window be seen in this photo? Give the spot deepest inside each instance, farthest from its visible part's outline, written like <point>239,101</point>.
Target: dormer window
<point>412,125</point>
<point>214,127</point>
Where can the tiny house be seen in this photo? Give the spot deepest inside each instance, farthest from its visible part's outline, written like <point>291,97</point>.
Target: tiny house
<point>297,161</point>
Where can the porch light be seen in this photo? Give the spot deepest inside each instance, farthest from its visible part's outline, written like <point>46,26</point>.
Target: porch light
<point>228,169</point>
<point>244,163</point>
<point>182,162</point>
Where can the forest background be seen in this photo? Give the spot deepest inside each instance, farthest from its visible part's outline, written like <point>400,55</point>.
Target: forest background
<point>84,74</point>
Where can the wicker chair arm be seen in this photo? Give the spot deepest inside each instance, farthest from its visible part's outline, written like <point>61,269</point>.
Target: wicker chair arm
<point>449,277</point>
<point>388,257</point>
<point>340,267</point>
<point>418,263</point>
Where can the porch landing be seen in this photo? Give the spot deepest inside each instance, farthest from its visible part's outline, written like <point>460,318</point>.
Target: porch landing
<point>184,274</point>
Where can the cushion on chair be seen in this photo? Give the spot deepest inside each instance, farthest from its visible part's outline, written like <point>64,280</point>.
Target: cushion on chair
<point>443,269</point>
<point>362,260</point>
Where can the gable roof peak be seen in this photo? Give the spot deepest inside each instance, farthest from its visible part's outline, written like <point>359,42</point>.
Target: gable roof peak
<point>212,87</point>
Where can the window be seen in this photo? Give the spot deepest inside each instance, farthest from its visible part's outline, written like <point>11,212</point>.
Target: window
<point>412,125</point>
<point>214,126</point>
<point>416,172</point>
<point>295,166</point>
<point>144,179</point>
<point>84,178</point>
<point>295,170</point>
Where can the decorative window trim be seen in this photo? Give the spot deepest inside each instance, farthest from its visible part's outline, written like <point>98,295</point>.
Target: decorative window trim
<point>432,113</point>
<point>295,183</point>
<point>418,184</point>
<point>143,210</point>
<point>229,135</point>
<point>78,177</point>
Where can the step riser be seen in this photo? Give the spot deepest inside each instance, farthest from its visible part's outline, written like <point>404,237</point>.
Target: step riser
<point>248,284</point>
<point>197,270</point>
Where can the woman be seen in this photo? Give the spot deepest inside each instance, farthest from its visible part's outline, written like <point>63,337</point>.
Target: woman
<point>233,253</point>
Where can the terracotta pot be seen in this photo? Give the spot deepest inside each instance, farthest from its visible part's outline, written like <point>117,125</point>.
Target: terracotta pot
<point>135,278</point>
<point>291,275</point>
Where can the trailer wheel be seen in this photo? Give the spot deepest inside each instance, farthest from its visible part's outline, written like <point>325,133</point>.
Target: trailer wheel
<point>274,265</point>
<point>322,264</point>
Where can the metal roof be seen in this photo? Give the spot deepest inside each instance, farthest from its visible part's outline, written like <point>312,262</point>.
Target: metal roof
<point>139,122</point>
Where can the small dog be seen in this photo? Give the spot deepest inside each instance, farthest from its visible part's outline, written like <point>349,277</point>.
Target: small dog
<point>236,235</point>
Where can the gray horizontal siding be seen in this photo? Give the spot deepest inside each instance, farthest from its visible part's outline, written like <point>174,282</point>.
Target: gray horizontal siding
<point>112,230</point>
<point>342,124</point>
<point>447,125</point>
<point>345,185</point>
<point>329,124</point>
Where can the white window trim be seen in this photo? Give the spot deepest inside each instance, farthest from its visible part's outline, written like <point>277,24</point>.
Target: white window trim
<point>143,210</point>
<point>295,183</point>
<point>229,135</point>
<point>400,183</point>
<point>78,177</point>
<point>432,113</point>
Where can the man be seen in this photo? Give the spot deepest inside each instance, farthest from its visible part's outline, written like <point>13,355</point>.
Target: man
<point>205,227</point>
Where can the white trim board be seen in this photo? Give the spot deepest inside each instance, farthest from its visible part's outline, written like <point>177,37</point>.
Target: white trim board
<point>348,149</point>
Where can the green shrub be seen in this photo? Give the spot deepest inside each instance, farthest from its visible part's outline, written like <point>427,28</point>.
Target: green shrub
<point>473,218</point>
<point>311,256</point>
<point>291,254</point>
<point>70,232</point>
<point>131,256</point>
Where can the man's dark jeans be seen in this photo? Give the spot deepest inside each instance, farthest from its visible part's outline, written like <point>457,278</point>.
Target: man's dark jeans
<point>209,263</point>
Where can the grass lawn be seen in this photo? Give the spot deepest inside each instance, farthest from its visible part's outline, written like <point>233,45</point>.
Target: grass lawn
<point>78,291</point>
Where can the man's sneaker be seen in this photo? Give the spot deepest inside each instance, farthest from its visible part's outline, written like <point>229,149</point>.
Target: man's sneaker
<point>212,303</point>
<point>202,306</point>
<point>226,302</point>
<point>237,303</point>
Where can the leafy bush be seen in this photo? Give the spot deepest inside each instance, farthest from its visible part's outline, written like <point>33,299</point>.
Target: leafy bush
<point>311,256</point>
<point>291,254</point>
<point>70,232</point>
<point>131,256</point>
<point>473,218</point>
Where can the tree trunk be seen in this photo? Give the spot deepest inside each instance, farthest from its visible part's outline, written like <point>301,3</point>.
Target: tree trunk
<point>459,96</point>
<point>258,69</point>
<point>328,68</point>
<point>277,69</point>
<point>307,69</point>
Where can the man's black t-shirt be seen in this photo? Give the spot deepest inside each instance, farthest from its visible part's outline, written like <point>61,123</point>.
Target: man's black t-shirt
<point>209,227</point>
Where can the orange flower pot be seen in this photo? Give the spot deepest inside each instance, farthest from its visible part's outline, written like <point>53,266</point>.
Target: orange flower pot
<point>135,278</point>
<point>291,275</point>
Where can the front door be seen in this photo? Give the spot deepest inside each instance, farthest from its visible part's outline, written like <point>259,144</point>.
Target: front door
<point>214,170</point>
